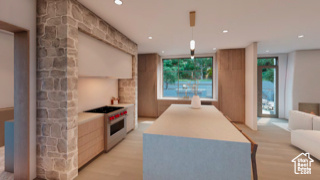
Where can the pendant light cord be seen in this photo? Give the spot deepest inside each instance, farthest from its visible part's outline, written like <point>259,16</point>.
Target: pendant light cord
<point>192,33</point>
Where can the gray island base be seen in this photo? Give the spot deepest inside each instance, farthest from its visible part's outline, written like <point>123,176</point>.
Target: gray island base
<point>195,144</point>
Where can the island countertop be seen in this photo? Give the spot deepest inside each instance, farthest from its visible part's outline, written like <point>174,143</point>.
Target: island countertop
<point>188,144</point>
<point>204,123</point>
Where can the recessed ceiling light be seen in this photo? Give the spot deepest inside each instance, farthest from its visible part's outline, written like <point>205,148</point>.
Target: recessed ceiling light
<point>225,31</point>
<point>162,52</point>
<point>300,36</point>
<point>149,37</point>
<point>118,2</point>
<point>267,51</point>
<point>214,49</point>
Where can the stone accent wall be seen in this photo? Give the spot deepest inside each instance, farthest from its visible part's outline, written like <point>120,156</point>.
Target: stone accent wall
<point>58,23</point>
<point>57,130</point>
<point>128,89</point>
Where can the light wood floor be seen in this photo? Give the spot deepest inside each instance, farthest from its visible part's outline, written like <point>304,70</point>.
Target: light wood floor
<point>1,158</point>
<point>275,152</point>
<point>273,157</point>
<point>123,162</point>
<point>4,175</point>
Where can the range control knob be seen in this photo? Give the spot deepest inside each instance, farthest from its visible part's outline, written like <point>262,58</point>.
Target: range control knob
<point>125,112</point>
<point>117,115</point>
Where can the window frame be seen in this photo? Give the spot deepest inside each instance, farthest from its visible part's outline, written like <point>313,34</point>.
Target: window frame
<point>214,77</point>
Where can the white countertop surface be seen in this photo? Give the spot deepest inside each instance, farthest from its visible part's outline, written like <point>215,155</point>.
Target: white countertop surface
<point>204,123</point>
<point>86,117</point>
<point>122,105</point>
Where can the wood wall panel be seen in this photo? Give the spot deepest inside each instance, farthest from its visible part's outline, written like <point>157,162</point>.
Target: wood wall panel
<point>232,83</point>
<point>21,99</point>
<point>11,28</point>
<point>21,105</point>
<point>147,85</point>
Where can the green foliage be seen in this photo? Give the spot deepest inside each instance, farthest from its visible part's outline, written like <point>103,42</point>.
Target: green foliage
<point>267,73</point>
<point>209,72</point>
<point>191,69</point>
<point>266,62</point>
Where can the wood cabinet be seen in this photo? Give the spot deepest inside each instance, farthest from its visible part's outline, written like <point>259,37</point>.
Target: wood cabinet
<point>147,85</point>
<point>231,65</point>
<point>98,59</point>
<point>130,118</point>
<point>90,140</point>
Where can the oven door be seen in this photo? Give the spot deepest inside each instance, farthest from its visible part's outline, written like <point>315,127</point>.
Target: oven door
<point>116,126</point>
<point>116,132</point>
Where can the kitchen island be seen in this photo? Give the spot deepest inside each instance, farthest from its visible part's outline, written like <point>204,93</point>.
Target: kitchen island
<point>185,143</point>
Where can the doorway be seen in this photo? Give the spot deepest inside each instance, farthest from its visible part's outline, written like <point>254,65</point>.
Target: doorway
<point>268,87</point>
<point>20,152</point>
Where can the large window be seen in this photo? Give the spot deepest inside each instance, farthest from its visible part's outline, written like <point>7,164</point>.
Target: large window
<point>183,77</point>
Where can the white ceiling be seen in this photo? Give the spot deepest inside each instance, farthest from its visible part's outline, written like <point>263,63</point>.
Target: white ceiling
<point>274,24</point>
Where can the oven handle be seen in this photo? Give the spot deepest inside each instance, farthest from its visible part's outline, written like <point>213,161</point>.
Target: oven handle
<point>117,120</point>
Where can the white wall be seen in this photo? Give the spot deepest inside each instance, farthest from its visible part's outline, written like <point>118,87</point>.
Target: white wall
<point>304,71</point>
<point>22,13</point>
<point>6,70</point>
<point>96,92</point>
<point>289,83</point>
<point>251,86</point>
<point>282,66</point>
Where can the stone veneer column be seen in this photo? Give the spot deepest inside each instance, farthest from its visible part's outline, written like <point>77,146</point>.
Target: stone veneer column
<point>58,22</point>
<point>128,88</point>
<point>57,76</point>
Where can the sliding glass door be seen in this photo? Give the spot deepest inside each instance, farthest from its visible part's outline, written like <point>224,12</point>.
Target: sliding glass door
<point>268,87</point>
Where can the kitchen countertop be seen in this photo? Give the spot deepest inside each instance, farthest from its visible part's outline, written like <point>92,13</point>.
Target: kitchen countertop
<point>86,117</point>
<point>122,105</point>
<point>204,123</point>
<point>186,143</point>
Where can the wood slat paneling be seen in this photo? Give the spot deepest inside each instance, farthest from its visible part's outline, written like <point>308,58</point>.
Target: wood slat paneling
<point>232,83</point>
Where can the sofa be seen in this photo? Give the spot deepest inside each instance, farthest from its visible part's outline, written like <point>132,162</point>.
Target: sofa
<point>305,132</point>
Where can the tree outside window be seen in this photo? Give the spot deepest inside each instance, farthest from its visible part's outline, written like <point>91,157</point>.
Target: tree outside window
<point>181,74</point>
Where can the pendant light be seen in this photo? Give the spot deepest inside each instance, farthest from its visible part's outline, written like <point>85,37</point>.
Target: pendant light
<point>192,24</point>
<point>192,44</point>
<point>118,2</point>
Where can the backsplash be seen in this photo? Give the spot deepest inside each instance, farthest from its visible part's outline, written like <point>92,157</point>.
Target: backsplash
<point>96,92</point>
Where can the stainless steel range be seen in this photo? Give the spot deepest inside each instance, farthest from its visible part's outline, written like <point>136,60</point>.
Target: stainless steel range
<point>115,124</point>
